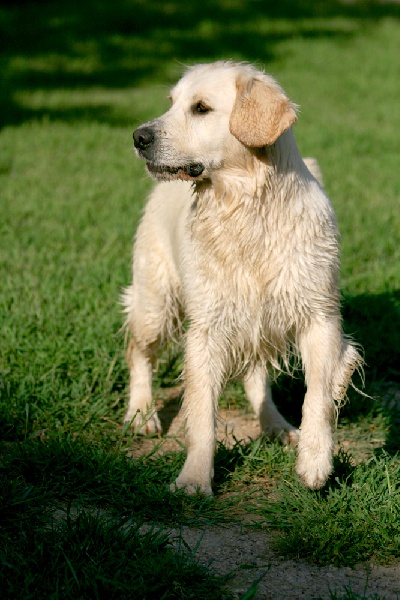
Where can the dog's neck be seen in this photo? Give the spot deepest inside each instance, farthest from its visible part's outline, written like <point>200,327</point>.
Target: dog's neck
<point>258,174</point>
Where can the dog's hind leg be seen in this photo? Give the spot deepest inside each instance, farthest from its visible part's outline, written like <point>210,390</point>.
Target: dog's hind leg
<point>258,391</point>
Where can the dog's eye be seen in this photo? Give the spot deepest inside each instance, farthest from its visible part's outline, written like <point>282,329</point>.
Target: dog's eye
<point>201,108</point>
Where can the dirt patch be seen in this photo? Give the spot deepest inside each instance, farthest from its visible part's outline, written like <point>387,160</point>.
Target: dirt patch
<point>250,553</point>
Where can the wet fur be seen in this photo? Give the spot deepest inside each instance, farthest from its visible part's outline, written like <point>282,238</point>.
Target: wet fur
<point>248,251</point>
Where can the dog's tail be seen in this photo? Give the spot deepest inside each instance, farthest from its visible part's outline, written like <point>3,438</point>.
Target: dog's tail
<point>351,360</point>
<point>315,170</point>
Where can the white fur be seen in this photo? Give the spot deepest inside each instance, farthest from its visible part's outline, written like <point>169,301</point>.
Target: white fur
<point>248,252</point>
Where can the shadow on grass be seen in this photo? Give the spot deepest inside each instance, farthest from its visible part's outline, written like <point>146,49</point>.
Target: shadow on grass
<point>375,323</point>
<point>52,44</point>
<point>374,320</point>
<point>71,508</point>
<point>61,473</point>
<point>226,461</point>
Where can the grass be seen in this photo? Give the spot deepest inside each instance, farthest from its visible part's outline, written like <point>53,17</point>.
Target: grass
<point>355,515</point>
<point>76,80</point>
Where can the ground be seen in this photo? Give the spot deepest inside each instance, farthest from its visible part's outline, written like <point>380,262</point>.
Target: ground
<point>250,552</point>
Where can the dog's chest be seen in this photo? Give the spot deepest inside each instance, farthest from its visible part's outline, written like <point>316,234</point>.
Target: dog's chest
<point>236,248</point>
<point>259,266</point>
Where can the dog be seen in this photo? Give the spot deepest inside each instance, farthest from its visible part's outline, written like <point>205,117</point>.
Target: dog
<point>240,239</point>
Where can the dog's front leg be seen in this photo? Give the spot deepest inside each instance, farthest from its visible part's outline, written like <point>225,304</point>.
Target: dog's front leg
<point>203,374</point>
<point>320,348</point>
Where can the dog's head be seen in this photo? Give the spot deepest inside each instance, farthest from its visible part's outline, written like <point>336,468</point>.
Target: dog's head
<point>219,111</point>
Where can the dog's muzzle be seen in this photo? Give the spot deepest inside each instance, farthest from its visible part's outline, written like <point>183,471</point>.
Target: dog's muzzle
<point>144,139</point>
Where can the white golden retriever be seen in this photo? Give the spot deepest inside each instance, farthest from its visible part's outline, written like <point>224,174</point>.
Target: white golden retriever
<point>242,240</point>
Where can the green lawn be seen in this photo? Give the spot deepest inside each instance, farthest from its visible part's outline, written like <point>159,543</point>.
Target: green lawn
<point>77,78</point>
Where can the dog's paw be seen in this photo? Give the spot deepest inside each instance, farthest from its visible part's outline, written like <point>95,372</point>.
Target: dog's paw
<point>314,467</point>
<point>289,436</point>
<point>148,424</point>
<point>191,487</point>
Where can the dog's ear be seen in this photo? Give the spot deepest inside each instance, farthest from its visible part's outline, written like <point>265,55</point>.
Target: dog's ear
<point>261,112</point>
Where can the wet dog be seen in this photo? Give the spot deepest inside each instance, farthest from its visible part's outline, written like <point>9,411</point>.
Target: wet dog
<point>240,239</point>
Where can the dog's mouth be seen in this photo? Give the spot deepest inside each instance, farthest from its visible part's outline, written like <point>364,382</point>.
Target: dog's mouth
<point>190,172</point>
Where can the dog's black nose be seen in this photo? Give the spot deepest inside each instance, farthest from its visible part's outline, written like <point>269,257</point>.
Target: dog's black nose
<point>194,170</point>
<point>143,137</point>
